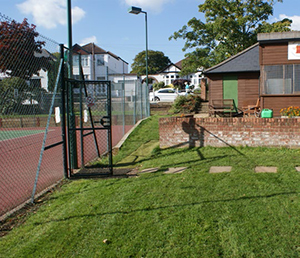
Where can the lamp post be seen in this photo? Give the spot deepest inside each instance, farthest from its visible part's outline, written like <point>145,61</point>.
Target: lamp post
<point>137,10</point>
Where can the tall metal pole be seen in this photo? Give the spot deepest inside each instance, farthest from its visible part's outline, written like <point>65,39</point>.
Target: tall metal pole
<point>69,17</point>
<point>137,10</point>
<point>147,77</point>
<point>146,24</point>
<point>73,142</point>
<point>63,115</point>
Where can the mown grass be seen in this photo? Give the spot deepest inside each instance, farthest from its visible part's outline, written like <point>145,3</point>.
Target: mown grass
<point>193,214</point>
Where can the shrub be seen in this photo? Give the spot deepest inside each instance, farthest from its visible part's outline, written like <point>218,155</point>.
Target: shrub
<point>197,91</point>
<point>158,85</point>
<point>186,104</point>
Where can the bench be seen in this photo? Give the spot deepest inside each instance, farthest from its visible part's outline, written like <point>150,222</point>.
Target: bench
<point>223,106</point>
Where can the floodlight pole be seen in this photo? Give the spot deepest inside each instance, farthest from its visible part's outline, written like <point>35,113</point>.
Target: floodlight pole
<point>137,10</point>
<point>73,142</point>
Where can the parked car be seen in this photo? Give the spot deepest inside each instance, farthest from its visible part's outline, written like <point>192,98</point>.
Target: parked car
<point>165,95</point>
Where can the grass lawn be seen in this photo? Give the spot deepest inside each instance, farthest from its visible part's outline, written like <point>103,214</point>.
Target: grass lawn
<point>192,214</point>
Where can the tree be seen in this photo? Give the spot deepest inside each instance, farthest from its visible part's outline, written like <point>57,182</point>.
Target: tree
<point>53,71</point>
<point>230,27</point>
<point>20,55</point>
<point>156,62</point>
<point>12,91</point>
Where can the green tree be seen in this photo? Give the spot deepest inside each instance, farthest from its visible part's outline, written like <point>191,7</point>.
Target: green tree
<point>156,62</point>
<point>20,54</point>
<point>230,26</point>
<point>158,85</point>
<point>13,91</point>
<point>53,71</point>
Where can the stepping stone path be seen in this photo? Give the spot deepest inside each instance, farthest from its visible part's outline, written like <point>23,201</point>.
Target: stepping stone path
<point>212,170</point>
<point>220,169</point>
<point>262,169</point>
<point>148,170</point>
<point>175,170</point>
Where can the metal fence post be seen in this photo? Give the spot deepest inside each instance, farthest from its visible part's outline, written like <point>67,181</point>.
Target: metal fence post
<point>123,107</point>
<point>63,113</point>
<point>134,105</point>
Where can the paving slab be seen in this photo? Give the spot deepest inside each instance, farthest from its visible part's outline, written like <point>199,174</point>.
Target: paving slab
<point>149,170</point>
<point>297,169</point>
<point>175,170</point>
<point>262,169</point>
<point>220,169</point>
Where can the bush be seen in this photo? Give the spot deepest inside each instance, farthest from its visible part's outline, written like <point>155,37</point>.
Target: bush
<point>197,91</point>
<point>186,104</point>
<point>158,85</point>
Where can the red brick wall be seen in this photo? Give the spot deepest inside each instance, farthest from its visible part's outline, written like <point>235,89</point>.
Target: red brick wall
<point>218,132</point>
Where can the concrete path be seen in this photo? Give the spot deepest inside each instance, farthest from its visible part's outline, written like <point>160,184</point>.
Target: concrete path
<point>212,170</point>
<point>262,169</point>
<point>220,169</point>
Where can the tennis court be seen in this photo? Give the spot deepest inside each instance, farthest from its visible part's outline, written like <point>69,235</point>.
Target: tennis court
<point>11,134</point>
<point>19,157</point>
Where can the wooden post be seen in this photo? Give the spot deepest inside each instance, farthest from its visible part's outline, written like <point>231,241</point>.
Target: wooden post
<point>203,89</point>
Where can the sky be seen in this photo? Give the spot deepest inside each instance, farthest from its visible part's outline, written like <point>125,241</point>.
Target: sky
<point>108,24</point>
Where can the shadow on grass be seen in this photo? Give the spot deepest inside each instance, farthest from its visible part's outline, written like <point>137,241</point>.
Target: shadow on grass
<point>169,206</point>
<point>192,162</point>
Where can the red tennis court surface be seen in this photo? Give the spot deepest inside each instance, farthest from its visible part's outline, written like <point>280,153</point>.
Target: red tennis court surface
<point>19,159</point>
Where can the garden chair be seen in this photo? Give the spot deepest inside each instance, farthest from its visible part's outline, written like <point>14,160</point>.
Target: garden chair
<point>252,109</point>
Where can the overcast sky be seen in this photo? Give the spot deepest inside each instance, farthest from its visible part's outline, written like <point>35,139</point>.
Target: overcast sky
<point>108,24</point>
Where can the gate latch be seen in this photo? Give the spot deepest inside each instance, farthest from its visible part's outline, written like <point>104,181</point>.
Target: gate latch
<point>105,121</point>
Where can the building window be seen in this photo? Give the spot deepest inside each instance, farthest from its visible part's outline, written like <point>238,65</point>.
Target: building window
<point>100,60</point>
<point>281,79</point>
<point>84,61</point>
<point>76,60</point>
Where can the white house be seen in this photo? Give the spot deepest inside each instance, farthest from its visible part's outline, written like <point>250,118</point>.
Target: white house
<point>171,73</point>
<point>97,63</point>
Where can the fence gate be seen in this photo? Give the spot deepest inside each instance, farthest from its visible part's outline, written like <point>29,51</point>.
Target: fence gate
<point>88,123</point>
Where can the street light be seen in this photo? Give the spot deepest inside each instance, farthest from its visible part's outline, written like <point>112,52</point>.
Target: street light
<point>137,10</point>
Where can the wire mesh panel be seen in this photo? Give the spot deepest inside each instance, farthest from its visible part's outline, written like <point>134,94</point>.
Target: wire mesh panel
<point>92,121</point>
<point>32,124</point>
<point>129,105</point>
<point>29,68</point>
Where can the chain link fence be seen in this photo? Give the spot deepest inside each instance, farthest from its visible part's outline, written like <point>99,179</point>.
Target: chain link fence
<point>130,103</point>
<point>31,153</point>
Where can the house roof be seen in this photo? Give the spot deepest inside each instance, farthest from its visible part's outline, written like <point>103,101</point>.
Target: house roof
<point>179,64</point>
<point>245,61</point>
<point>91,48</point>
<point>168,66</point>
<point>285,36</point>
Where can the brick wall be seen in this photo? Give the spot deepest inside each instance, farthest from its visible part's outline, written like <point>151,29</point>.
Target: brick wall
<point>219,132</point>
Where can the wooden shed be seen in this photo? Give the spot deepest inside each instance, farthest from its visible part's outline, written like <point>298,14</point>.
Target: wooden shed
<point>268,70</point>
<point>279,60</point>
<point>236,78</point>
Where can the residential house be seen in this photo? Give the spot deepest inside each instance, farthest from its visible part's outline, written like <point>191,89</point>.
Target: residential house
<point>97,63</point>
<point>171,73</point>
